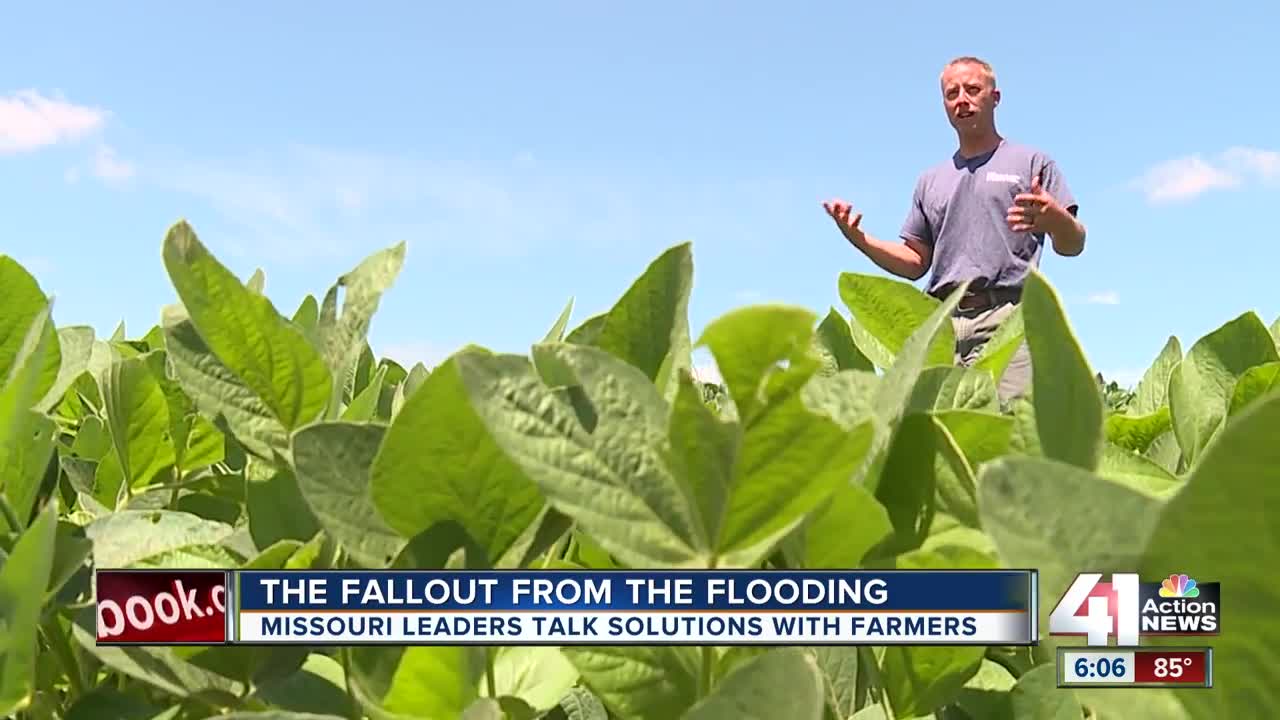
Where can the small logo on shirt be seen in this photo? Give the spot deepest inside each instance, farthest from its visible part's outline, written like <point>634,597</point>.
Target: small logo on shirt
<point>1002,177</point>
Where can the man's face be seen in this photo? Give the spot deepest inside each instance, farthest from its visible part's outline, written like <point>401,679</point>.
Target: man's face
<point>968,97</point>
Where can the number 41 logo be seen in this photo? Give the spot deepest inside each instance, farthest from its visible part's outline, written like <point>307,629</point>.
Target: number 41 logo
<point>1098,609</point>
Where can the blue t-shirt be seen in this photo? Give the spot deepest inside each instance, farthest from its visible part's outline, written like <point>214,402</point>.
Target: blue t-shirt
<point>960,207</point>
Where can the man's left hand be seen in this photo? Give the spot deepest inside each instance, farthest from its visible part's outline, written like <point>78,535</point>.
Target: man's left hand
<point>1035,211</point>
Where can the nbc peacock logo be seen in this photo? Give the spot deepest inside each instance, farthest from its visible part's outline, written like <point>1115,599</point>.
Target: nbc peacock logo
<point>1179,586</point>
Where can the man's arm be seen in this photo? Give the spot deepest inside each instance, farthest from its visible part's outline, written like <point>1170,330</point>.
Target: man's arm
<point>1066,231</point>
<point>909,259</point>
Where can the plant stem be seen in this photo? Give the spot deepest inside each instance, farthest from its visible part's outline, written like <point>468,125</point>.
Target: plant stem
<point>353,712</point>
<point>9,515</point>
<point>61,647</point>
<point>704,679</point>
<point>489,678</point>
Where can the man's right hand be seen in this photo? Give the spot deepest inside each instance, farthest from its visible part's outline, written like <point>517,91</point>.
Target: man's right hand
<point>839,211</point>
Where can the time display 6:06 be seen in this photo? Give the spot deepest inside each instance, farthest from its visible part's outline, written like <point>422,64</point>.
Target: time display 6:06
<point>1096,667</point>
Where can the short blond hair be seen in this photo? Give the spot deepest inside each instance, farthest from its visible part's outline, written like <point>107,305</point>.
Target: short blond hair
<point>971,60</point>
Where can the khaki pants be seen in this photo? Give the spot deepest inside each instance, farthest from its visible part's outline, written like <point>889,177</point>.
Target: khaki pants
<point>973,329</point>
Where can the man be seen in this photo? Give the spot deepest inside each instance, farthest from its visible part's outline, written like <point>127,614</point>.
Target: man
<point>981,216</point>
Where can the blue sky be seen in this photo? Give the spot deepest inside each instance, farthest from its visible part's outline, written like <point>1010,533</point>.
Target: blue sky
<point>529,152</point>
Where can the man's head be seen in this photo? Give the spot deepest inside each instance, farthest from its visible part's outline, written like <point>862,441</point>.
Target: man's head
<point>970,96</point>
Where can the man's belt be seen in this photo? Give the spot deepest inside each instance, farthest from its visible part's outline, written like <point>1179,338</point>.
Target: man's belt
<point>987,298</point>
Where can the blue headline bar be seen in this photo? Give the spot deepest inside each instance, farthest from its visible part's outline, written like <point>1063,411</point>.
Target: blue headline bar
<point>685,590</point>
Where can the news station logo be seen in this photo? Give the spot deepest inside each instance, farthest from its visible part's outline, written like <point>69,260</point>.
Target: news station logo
<point>1128,609</point>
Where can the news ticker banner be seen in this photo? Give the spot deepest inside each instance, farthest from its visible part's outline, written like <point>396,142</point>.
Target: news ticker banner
<point>563,607</point>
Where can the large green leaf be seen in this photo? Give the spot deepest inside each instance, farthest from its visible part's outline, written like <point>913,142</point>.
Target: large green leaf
<point>1227,506</point>
<point>538,676</point>
<point>1200,386</point>
<point>419,682</point>
<point>640,683</point>
<point>947,388</point>
<point>1060,519</point>
<point>23,578</point>
<point>75,345</point>
<point>124,538</point>
<point>1257,382</point>
<point>998,352</point>
<point>1136,471</point>
<point>597,457</point>
<point>438,462</point>
<point>22,304</point>
<point>556,333</point>
<point>26,437</point>
<point>834,342</point>
<point>266,352</point>
<point>885,312</point>
<point>749,343</point>
<point>276,507</point>
<point>1137,432</point>
<point>332,463</point>
<point>840,533</point>
<point>341,334</point>
<point>138,416</point>
<point>784,682</point>
<point>649,325</point>
<point>1068,406</point>
<point>1153,389</point>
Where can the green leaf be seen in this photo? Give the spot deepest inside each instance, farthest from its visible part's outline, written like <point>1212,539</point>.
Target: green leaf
<point>556,333</point>
<point>24,458</point>
<point>23,576</point>
<point>1200,386</point>
<point>1137,432</point>
<point>332,464</point>
<point>1037,697</point>
<point>752,690</point>
<point>216,391</point>
<point>341,335</point>
<point>425,682</point>
<point>842,531</point>
<point>439,462</point>
<point>838,667</point>
<point>947,388</point>
<point>22,304</point>
<point>268,354</point>
<point>1137,472</point>
<point>257,282</point>
<point>1068,406</point>
<point>580,704</point>
<point>1058,518</point>
<point>138,416</point>
<point>885,313</point>
<point>637,682</point>
<point>921,679</point>
<point>318,686</point>
<point>276,506</point>
<point>539,676</point>
<point>981,436</point>
<point>834,342</point>
<point>1152,391</point>
<point>126,537</point>
<point>604,468</point>
<point>998,352</point>
<point>749,343</point>
<point>75,346</point>
<point>649,325</point>
<point>1256,382</point>
<point>1226,506</point>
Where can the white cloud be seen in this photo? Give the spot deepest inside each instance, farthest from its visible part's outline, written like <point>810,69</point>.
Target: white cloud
<point>30,121</point>
<point>1105,297</point>
<point>1188,177</point>
<point>109,168</point>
